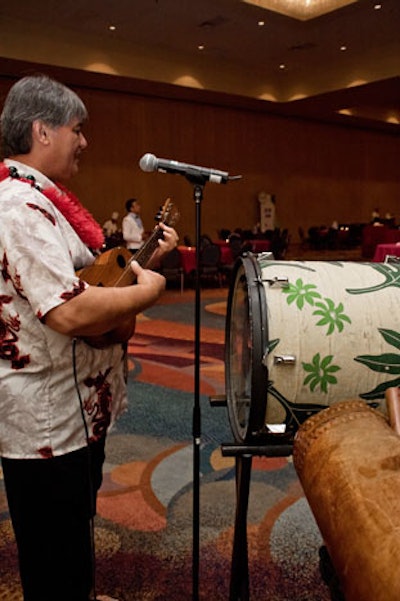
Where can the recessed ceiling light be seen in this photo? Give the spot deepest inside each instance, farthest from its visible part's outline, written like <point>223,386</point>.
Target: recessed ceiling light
<point>343,48</point>
<point>112,27</point>
<point>200,47</point>
<point>377,6</point>
<point>261,23</point>
<point>282,67</point>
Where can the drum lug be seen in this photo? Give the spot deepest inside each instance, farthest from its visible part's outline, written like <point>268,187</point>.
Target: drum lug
<point>282,282</point>
<point>284,360</point>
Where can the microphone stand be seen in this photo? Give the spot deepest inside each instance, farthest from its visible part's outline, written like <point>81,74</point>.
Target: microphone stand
<point>198,177</point>
<point>198,182</point>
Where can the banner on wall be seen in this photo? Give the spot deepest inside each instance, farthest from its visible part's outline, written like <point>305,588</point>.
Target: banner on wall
<point>267,211</point>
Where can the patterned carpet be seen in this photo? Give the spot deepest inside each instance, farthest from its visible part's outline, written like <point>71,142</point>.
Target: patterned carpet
<point>144,526</point>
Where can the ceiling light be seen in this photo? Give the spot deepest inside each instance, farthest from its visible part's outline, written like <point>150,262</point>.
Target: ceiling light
<point>301,9</point>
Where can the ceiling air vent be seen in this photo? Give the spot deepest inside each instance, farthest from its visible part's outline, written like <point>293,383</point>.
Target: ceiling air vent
<point>303,46</point>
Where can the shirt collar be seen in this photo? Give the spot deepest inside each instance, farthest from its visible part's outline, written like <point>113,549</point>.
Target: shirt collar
<point>25,170</point>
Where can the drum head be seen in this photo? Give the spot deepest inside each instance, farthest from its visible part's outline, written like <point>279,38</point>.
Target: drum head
<point>245,343</point>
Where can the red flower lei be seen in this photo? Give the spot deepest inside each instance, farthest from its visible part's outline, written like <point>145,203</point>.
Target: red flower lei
<point>80,219</point>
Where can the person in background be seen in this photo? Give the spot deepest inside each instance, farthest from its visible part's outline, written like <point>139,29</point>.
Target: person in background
<point>112,233</point>
<point>62,342</point>
<point>375,215</point>
<point>132,226</point>
<point>110,226</point>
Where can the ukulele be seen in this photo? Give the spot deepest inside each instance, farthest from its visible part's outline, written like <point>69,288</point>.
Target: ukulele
<point>112,268</point>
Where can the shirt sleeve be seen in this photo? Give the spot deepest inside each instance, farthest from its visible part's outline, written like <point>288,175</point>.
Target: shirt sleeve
<point>37,257</point>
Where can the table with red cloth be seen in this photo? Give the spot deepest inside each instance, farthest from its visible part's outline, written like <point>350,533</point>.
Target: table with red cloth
<point>188,255</point>
<point>382,250</point>
<point>373,235</point>
<point>258,245</point>
<point>226,251</point>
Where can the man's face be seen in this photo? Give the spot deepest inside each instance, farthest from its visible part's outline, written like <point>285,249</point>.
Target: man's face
<point>135,208</point>
<point>66,145</point>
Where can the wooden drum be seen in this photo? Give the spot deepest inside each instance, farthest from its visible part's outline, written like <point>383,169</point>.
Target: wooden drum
<point>348,461</point>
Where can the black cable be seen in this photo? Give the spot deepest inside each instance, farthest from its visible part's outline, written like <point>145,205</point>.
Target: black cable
<point>92,505</point>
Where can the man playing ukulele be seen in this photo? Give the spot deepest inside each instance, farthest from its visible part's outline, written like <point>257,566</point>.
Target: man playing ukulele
<point>59,393</point>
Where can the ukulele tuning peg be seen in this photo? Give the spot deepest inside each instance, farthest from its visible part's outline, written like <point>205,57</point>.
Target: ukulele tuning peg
<point>164,211</point>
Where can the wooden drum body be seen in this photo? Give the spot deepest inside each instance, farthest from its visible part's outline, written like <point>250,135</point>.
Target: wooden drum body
<point>348,461</point>
<point>301,336</point>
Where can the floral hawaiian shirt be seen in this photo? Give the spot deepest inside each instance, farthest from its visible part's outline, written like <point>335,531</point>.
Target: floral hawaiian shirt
<point>49,382</point>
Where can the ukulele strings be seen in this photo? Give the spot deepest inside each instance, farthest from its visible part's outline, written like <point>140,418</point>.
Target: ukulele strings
<point>144,253</point>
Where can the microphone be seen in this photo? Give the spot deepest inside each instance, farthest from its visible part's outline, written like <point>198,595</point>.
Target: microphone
<point>149,162</point>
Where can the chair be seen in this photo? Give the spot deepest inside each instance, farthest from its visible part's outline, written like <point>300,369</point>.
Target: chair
<point>280,244</point>
<point>223,234</point>
<point>284,243</point>
<point>171,268</point>
<point>235,244</point>
<point>236,247</point>
<point>210,263</point>
<point>304,241</point>
<point>205,240</point>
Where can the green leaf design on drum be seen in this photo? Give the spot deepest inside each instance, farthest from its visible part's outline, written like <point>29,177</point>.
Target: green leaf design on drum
<point>331,315</point>
<point>391,337</point>
<point>320,373</point>
<point>391,274</point>
<point>388,363</point>
<point>271,345</point>
<point>301,293</point>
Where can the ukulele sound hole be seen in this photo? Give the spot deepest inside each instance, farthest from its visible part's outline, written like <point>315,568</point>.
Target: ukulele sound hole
<point>121,261</point>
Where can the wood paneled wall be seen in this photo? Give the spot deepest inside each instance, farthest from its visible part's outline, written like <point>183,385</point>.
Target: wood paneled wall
<point>317,172</point>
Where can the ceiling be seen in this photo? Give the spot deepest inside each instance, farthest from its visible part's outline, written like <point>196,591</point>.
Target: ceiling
<point>295,67</point>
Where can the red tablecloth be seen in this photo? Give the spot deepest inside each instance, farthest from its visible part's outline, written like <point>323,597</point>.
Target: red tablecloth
<point>188,254</point>
<point>259,246</point>
<point>226,251</point>
<point>373,235</point>
<point>385,249</point>
<point>226,254</point>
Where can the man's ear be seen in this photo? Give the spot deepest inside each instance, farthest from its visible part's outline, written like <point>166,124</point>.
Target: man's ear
<point>40,132</point>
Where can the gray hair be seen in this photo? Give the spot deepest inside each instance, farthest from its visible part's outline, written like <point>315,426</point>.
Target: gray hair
<point>33,98</point>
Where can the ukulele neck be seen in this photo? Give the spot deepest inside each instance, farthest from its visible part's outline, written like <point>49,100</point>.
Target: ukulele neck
<point>144,254</point>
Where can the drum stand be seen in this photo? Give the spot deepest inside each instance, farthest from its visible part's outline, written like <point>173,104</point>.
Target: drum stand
<point>243,453</point>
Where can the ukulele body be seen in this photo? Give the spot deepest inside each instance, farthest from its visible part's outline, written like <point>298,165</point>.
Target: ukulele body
<point>109,269</point>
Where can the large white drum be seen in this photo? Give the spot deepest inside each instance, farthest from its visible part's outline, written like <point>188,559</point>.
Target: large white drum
<point>301,336</point>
